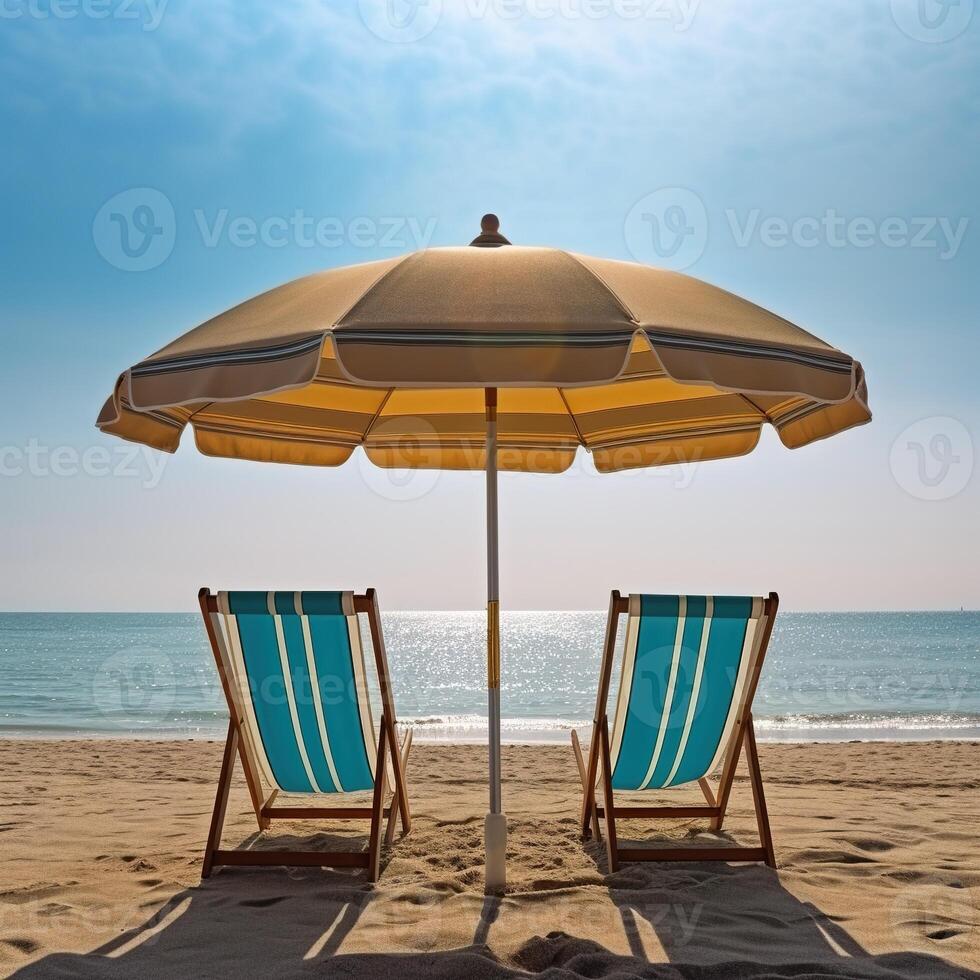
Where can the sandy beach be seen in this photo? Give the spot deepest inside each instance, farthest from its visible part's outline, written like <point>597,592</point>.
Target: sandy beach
<point>101,846</point>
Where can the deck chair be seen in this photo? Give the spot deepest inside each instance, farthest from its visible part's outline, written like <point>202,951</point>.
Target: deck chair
<point>690,669</point>
<point>292,669</point>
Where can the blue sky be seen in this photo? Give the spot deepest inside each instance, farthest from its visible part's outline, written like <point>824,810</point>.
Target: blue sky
<point>823,157</point>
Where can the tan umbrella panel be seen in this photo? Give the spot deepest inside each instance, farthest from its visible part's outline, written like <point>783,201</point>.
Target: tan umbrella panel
<point>641,366</point>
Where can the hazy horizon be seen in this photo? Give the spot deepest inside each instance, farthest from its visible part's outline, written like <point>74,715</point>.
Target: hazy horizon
<point>191,610</point>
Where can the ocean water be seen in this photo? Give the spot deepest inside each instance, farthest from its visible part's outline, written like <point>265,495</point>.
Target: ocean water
<point>828,676</point>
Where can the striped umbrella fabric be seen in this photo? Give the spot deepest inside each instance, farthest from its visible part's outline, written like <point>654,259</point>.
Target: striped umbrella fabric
<point>682,685</point>
<point>640,366</point>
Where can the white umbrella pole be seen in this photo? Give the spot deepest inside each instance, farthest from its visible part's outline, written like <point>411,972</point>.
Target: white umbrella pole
<point>495,831</point>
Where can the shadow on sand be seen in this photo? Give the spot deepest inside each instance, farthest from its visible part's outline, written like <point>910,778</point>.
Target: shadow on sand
<point>680,921</point>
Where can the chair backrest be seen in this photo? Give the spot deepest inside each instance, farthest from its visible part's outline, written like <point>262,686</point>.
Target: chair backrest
<point>294,667</point>
<point>690,664</point>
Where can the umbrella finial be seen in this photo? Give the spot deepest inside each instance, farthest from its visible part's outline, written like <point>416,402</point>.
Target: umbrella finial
<point>489,236</point>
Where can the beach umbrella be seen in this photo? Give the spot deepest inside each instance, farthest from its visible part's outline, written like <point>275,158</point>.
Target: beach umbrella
<point>493,357</point>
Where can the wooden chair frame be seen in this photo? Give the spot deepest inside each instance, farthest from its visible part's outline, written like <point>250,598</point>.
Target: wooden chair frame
<point>596,768</point>
<point>264,805</point>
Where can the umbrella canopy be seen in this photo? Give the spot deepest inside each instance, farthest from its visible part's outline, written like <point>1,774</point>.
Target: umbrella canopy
<point>639,365</point>
<point>485,358</point>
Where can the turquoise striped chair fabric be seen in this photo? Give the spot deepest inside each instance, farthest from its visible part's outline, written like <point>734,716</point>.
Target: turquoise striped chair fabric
<point>296,667</point>
<point>685,665</point>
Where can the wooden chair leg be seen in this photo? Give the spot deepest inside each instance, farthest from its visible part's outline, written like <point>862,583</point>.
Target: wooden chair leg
<point>583,772</point>
<point>395,808</point>
<point>616,608</point>
<point>377,808</point>
<point>388,707</point>
<point>612,849</point>
<point>264,822</point>
<point>758,794</point>
<point>398,771</point>
<point>583,776</point>
<point>709,797</point>
<point>590,816</point>
<point>588,785</point>
<point>220,800</point>
<point>727,778</point>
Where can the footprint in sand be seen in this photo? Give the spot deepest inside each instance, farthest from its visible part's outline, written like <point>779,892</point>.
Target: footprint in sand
<point>23,945</point>
<point>263,903</point>
<point>933,911</point>
<point>52,909</point>
<point>21,896</point>
<point>873,844</point>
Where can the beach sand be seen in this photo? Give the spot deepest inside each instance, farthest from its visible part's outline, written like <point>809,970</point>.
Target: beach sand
<point>101,842</point>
